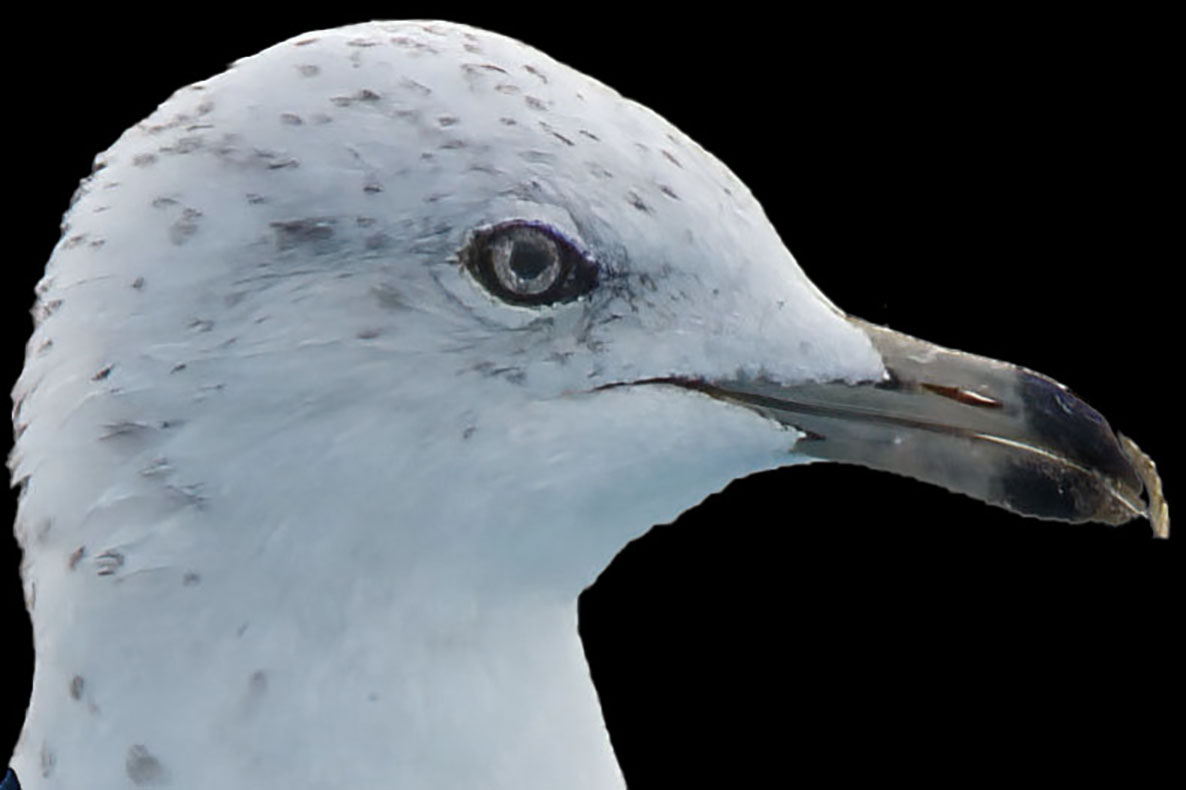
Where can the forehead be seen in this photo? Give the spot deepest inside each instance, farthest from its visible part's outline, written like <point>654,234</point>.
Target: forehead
<point>434,113</point>
<point>451,83</point>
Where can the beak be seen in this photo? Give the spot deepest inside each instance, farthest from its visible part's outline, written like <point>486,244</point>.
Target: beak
<point>997,432</point>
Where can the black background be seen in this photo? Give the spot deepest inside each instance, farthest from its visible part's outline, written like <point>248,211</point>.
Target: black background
<point>995,183</point>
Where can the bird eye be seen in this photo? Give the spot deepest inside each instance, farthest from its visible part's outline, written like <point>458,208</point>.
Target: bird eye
<point>528,263</point>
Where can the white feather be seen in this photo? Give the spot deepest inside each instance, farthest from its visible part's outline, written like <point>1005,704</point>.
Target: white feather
<point>303,505</point>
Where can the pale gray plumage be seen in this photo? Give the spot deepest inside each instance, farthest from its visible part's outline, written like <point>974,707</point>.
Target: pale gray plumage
<point>303,505</point>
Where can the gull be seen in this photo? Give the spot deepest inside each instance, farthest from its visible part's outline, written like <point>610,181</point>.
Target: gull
<point>356,364</point>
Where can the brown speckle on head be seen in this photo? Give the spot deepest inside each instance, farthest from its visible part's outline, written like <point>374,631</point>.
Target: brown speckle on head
<point>75,556</point>
<point>537,157</point>
<point>76,687</point>
<point>191,578</point>
<point>138,283</point>
<point>257,684</point>
<point>482,167</point>
<point>313,232</point>
<point>102,373</point>
<point>547,128</point>
<point>308,70</point>
<point>415,87</point>
<point>109,562</point>
<point>666,190</point>
<point>142,767</point>
<point>46,760</point>
<point>291,119</point>
<point>45,309</point>
<point>377,241</point>
<point>156,467</point>
<point>474,72</point>
<point>536,72</point>
<point>120,430</point>
<point>534,103</point>
<point>598,171</point>
<point>143,160</point>
<point>415,46</point>
<point>633,198</point>
<point>667,155</point>
<point>183,145</point>
<point>389,297</point>
<point>185,226</point>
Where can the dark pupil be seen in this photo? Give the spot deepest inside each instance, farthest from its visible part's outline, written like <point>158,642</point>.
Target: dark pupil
<point>528,260</point>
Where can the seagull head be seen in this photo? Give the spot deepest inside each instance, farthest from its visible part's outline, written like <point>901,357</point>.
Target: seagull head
<point>392,323</point>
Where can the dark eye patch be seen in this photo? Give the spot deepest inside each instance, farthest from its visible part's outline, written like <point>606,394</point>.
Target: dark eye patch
<point>528,263</point>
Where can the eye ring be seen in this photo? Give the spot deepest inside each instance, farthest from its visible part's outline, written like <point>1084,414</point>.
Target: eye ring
<point>528,263</point>
<point>525,261</point>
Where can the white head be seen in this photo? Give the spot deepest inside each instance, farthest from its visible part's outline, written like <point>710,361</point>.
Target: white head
<point>311,480</point>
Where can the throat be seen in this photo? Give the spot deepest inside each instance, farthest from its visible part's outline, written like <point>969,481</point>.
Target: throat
<point>405,687</point>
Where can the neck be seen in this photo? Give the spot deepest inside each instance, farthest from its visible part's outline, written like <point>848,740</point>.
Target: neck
<point>368,685</point>
<point>275,594</point>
